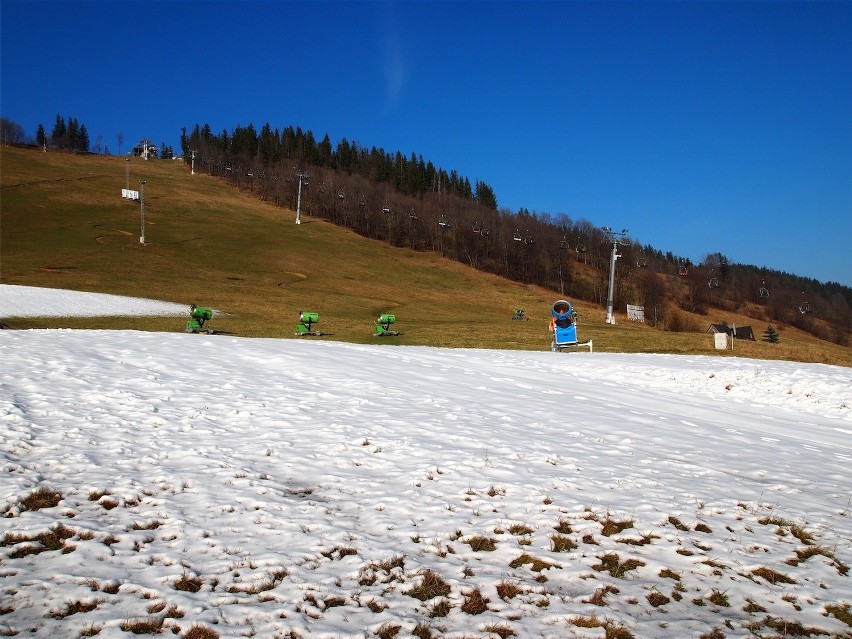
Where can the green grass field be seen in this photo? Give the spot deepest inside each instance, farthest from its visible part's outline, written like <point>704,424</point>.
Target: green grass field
<point>64,224</point>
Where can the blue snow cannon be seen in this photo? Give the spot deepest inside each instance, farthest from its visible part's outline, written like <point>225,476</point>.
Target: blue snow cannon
<point>564,324</point>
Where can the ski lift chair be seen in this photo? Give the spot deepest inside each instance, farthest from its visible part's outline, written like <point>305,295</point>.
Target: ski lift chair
<point>565,328</point>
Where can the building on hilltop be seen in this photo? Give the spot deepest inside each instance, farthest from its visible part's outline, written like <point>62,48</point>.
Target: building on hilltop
<point>738,332</point>
<point>144,150</point>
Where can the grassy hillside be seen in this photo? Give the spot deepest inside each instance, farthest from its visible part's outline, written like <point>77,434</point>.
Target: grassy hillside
<point>65,225</point>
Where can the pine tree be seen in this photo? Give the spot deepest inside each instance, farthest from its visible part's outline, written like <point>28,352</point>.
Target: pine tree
<point>771,335</point>
<point>57,136</point>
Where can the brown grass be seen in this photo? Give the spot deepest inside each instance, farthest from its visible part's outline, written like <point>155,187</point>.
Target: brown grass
<point>41,498</point>
<point>188,584</point>
<point>474,603</point>
<point>200,632</point>
<point>613,564</point>
<point>772,576</point>
<point>431,585</point>
<point>536,564</point>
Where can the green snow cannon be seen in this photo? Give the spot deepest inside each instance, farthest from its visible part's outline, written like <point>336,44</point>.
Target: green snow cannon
<point>198,315</point>
<point>383,324</point>
<point>306,320</point>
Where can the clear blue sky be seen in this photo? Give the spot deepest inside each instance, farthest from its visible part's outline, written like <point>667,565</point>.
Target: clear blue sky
<point>698,126</point>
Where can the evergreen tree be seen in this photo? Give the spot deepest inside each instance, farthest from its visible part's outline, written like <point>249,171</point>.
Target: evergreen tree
<point>57,136</point>
<point>771,335</point>
<point>82,143</point>
<point>72,133</point>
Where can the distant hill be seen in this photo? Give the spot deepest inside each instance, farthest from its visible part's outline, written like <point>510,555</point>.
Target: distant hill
<point>238,250</point>
<point>406,201</point>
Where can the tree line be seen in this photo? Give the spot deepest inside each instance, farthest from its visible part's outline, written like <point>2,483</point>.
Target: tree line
<point>244,149</point>
<point>70,135</point>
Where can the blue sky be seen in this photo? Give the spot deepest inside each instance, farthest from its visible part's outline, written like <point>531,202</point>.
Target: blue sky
<point>698,126</point>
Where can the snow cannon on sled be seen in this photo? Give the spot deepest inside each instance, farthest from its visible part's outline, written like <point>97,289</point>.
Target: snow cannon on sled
<point>383,324</point>
<point>198,315</point>
<point>520,315</point>
<point>306,321</point>
<point>564,327</point>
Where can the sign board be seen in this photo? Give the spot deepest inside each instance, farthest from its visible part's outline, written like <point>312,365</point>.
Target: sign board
<point>636,313</point>
<point>130,195</point>
<point>721,341</point>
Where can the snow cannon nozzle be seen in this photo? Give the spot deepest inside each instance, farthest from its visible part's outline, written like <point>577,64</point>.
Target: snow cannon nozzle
<point>561,308</point>
<point>308,318</point>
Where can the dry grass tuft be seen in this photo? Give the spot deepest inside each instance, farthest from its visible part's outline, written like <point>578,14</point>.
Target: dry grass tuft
<point>431,585</point>
<point>611,631</point>
<point>841,612</point>
<point>563,527</point>
<point>561,543</point>
<point>388,630</point>
<point>751,607</point>
<point>537,564</point>
<point>520,529</point>
<point>72,608</point>
<point>41,498</point>
<point>657,599</point>
<point>188,584</point>
<point>719,598</point>
<point>150,626</point>
<point>772,576</point>
<point>479,543</point>
<point>599,598</point>
<point>43,542</point>
<point>507,590</point>
<point>422,631</point>
<point>200,632</point>
<point>612,564</point>
<point>500,630</point>
<point>474,603</point>
<point>339,552</point>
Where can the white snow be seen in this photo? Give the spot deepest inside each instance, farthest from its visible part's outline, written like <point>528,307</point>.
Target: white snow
<point>309,486</point>
<point>31,301</point>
